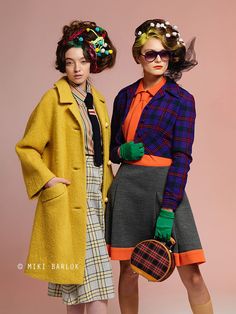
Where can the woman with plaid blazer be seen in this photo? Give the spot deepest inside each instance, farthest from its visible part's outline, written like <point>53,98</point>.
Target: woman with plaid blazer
<point>152,136</point>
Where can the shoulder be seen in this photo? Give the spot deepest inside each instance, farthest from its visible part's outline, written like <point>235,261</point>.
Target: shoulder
<point>48,103</point>
<point>186,99</point>
<point>129,88</point>
<point>48,100</point>
<point>179,91</point>
<point>97,93</point>
<point>127,91</point>
<point>50,95</point>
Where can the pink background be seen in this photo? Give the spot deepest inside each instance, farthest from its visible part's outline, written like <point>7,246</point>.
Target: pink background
<point>29,34</point>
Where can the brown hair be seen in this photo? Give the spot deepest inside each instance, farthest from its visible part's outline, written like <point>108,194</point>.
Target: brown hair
<point>180,58</point>
<point>88,31</point>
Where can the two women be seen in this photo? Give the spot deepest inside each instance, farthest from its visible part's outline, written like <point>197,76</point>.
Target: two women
<point>152,136</point>
<point>64,155</point>
<point>65,161</point>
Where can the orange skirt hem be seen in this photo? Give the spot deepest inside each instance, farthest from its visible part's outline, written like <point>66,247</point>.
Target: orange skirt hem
<point>181,259</point>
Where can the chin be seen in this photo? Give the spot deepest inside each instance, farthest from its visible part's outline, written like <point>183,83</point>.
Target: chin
<point>79,82</point>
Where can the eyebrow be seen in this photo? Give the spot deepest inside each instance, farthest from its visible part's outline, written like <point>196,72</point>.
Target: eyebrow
<point>82,58</point>
<point>154,50</point>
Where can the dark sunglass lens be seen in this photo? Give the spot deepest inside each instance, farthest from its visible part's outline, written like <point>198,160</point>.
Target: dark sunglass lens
<point>164,54</point>
<point>150,55</point>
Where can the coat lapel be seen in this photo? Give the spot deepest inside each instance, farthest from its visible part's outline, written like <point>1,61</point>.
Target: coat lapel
<point>99,103</point>
<point>66,98</point>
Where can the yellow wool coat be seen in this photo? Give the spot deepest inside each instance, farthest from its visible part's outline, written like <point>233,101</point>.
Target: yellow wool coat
<point>53,145</point>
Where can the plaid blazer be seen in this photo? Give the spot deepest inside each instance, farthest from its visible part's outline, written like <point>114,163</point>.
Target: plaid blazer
<point>166,128</point>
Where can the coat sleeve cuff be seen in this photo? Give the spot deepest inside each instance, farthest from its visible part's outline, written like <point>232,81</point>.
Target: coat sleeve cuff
<point>170,204</point>
<point>34,186</point>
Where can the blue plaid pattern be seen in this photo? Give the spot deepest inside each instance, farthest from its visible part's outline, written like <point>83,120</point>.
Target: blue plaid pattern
<point>166,128</point>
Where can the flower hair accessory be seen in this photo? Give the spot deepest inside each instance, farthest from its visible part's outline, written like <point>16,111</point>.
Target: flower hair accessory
<point>167,28</point>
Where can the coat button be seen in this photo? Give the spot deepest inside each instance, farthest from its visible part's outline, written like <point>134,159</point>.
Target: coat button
<point>109,163</point>
<point>106,200</point>
<point>106,124</point>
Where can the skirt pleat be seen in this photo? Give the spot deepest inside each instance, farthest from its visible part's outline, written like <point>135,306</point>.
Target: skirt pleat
<point>135,199</point>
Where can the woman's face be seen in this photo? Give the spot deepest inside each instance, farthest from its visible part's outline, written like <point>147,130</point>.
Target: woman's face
<point>77,67</point>
<point>158,66</point>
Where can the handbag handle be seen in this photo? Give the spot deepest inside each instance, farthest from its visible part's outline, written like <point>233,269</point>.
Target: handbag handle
<point>169,243</point>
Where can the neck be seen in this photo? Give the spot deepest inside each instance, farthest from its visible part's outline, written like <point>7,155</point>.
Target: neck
<point>82,86</point>
<point>151,80</point>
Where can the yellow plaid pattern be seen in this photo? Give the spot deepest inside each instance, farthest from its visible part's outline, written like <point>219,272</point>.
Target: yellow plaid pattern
<point>98,282</point>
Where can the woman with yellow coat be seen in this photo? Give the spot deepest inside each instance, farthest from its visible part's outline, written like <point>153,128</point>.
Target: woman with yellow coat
<point>65,161</point>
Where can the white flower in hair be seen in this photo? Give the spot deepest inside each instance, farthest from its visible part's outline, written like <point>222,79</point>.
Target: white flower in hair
<point>167,23</point>
<point>163,25</point>
<point>175,27</point>
<point>139,33</point>
<point>158,25</point>
<point>180,41</point>
<point>174,33</point>
<point>152,24</point>
<point>168,35</point>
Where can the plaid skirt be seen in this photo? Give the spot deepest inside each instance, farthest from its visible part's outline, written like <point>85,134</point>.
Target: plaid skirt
<point>98,282</point>
<point>135,199</point>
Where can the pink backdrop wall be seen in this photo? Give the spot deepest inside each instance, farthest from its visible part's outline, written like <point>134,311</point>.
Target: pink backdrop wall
<point>29,34</point>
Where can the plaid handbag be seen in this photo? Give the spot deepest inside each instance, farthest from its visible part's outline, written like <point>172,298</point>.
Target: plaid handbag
<point>153,259</point>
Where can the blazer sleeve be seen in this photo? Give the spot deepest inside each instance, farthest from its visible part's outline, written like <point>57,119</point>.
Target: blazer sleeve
<point>31,147</point>
<point>117,137</point>
<point>181,153</point>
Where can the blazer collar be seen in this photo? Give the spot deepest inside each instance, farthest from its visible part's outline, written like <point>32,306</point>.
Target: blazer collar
<point>170,87</point>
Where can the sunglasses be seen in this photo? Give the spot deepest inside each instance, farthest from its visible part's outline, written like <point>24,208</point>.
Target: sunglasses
<point>151,55</point>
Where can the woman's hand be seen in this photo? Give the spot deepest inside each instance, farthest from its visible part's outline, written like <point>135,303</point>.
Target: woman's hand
<point>56,180</point>
<point>131,151</point>
<point>164,224</point>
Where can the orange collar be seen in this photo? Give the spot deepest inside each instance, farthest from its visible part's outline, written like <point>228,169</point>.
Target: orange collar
<point>152,90</point>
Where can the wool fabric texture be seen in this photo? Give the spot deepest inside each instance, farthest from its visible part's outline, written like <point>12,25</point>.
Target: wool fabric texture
<point>59,229</point>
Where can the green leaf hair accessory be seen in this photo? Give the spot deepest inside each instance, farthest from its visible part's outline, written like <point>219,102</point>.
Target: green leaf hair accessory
<point>76,42</point>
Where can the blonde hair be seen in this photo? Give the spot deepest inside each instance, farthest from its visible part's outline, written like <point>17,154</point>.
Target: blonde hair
<point>171,41</point>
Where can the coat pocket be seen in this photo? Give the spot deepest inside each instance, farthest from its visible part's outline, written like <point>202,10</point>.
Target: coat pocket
<point>53,192</point>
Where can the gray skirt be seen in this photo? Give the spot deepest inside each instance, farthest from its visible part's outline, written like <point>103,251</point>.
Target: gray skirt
<point>134,202</point>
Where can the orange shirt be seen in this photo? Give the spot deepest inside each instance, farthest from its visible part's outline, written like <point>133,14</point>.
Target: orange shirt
<point>141,99</point>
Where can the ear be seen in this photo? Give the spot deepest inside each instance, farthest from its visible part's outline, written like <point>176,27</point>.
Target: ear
<point>137,60</point>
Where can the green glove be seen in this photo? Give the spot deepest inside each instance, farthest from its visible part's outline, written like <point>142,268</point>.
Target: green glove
<point>131,151</point>
<point>164,225</point>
